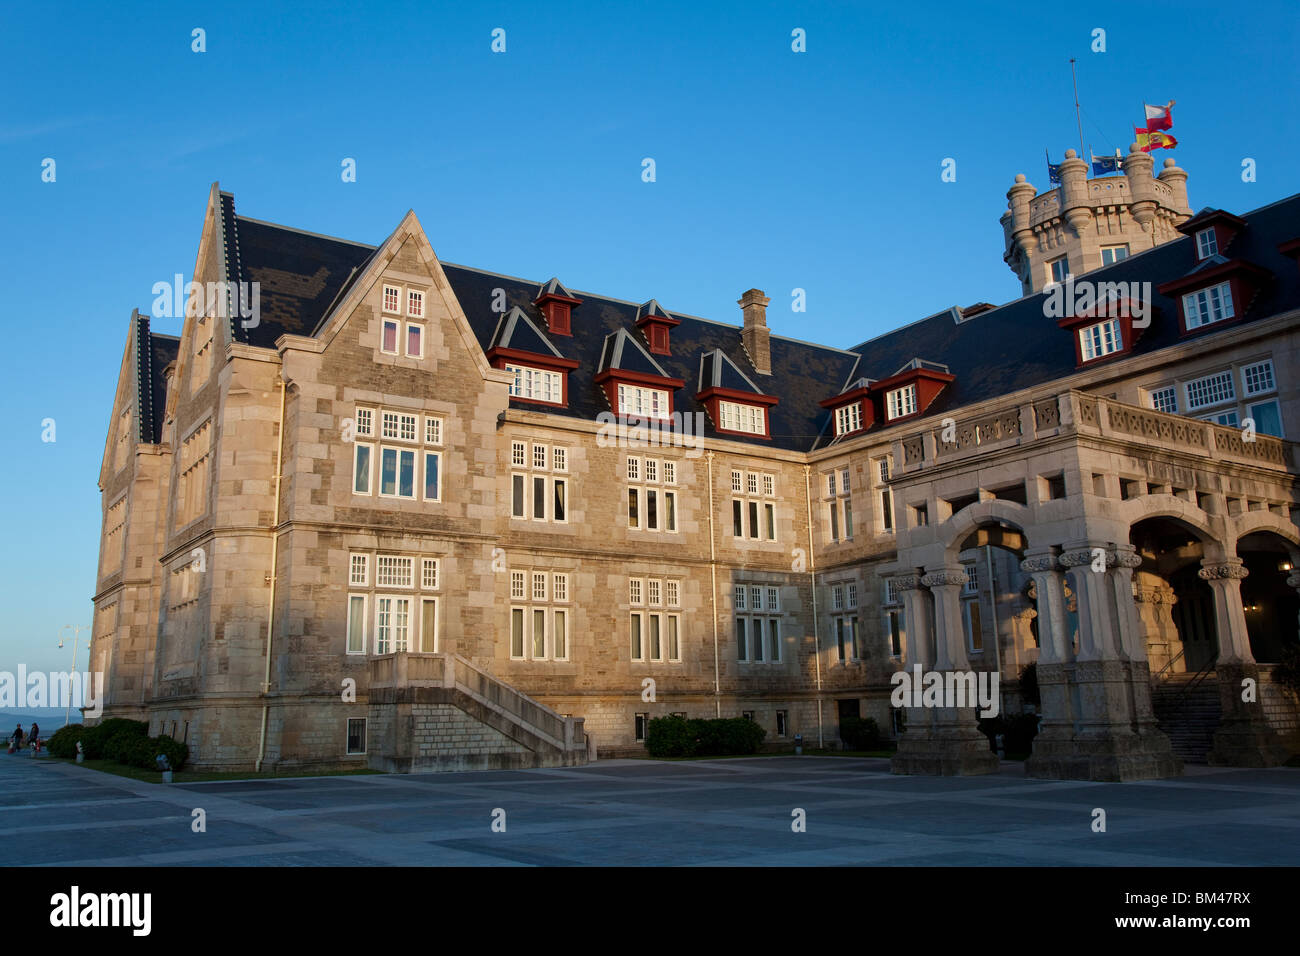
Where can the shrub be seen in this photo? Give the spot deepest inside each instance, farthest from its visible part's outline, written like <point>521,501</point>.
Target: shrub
<point>677,737</point>
<point>143,752</point>
<point>63,742</point>
<point>859,733</point>
<point>96,740</point>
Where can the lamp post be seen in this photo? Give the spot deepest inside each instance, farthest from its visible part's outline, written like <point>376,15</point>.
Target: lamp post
<point>76,633</point>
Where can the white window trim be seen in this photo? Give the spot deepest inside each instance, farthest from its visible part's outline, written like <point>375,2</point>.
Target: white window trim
<point>406,340</point>
<point>384,323</point>
<point>1200,246</point>
<point>423,474</point>
<point>397,483</point>
<point>410,600</point>
<point>370,469</point>
<point>896,407</point>
<point>416,293</point>
<point>383,299</point>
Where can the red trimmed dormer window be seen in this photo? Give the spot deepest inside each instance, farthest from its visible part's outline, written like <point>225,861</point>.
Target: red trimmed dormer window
<point>538,379</point>
<point>1218,295</point>
<point>638,395</point>
<point>848,419</point>
<point>911,390</point>
<point>1105,331</point>
<point>1212,232</point>
<point>739,413</point>
<point>558,310</point>
<point>656,328</point>
<point>852,411</point>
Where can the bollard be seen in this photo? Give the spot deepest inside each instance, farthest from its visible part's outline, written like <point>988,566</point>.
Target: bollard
<point>798,743</point>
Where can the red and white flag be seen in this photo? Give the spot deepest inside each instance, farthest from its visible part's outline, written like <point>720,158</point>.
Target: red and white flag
<point>1159,117</point>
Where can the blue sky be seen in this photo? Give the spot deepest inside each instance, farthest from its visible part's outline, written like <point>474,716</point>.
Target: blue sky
<point>781,170</point>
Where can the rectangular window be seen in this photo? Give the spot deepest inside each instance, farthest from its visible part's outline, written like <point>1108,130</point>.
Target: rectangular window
<point>751,483</point>
<point>848,418</point>
<point>365,425</point>
<point>769,520</point>
<point>560,587</point>
<point>634,591</point>
<point>753,519</point>
<point>645,402</point>
<point>742,639</point>
<point>651,469</point>
<point>656,646</point>
<point>396,473</point>
<point>654,592</point>
<point>517,496</point>
<point>670,511</point>
<point>837,597</point>
<point>392,299</point>
<point>773,640</point>
<point>560,503</point>
<point>972,585</point>
<point>634,469</point>
<point>1207,306</point>
<point>974,630</point>
<point>769,486</point>
<point>429,574</point>
<point>651,509</point>
<point>1101,339</point>
<point>392,624</point>
<point>673,592</point>
<point>670,473</point>
<point>361,469</point>
<point>842,639</point>
<point>737,482</point>
<point>539,456</point>
<point>634,507</point>
<point>432,461</point>
<point>848,520</point>
<point>902,401</point>
<point>536,384</point>
<point>674,643</point>
<point>429,625</point>
<point>539,498</point>
<point>539,586</point>
<point>518,454</point>
<point>1228,418</point>
<point>560,458</point>
<point>415,304</point>
<point>1165,399</point>
<point>1112,254</point>
<point>756,640</point>
<point>835,522</point>
<point>891,591</point>
<point>773,599</point>
<point>1267,418</point>
<point>517,585</point>
<point>356,735</point>
<point>738,597</point>
<point>642,724</point>
<point>560,634</point>
<point>1210,390</point>
<point>1207,244</point>
<point>852,595</point>
<point>1258,378</point>
<point>894,627</point>
<point>414,340</point>
<point>432,431</point>
<point>356,624</point>
<point>394,572</point>
<point>781,723</point>
<point>539,634</point>
<point>359,573</point>
<point>517,632</point>
<point>1060,268</point>
<point>741,418</point>
<point>737,519</point>
<point>389,343</point>
<point>638,653</point>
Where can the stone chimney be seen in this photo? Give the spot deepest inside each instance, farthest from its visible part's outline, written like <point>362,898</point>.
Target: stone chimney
<point>756,337</point>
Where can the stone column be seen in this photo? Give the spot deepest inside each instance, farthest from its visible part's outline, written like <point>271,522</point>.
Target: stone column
<point>1055,667</point>
<point>1244,737</point>
<point>1155,600</point>
<point>951,744</point>
<point>1115,733</point>
<point>919,648</point>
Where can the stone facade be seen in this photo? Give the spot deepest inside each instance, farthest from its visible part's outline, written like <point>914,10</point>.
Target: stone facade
<point>244,520</point>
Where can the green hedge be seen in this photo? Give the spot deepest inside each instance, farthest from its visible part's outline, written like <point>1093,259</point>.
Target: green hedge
<point>679,737</point>
<point>63,742</point>
<point>126,741</point>
<point>110,737</point>
<point>859,733</point>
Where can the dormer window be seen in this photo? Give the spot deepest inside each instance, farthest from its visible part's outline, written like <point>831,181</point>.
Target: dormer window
<point>644,402</point>
<point>901,401</point>
<point>1207,306</point>
<point>848,418</point>
<point>1101,339</point>
<point>1206,244</point>
<point>536,384</point>
<point>735,417</point>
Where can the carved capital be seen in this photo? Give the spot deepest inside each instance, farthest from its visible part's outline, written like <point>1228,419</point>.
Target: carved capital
<point>1225,571</point>
<point>1075,559</point>
<point>1123,559</point>
<point>1040,562</point>
<point>908,582</point>
<point>942,577</point>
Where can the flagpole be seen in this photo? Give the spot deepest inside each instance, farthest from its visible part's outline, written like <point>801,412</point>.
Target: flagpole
<point>1077,119</point>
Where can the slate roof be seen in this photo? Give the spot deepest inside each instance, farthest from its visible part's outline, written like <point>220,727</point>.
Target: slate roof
<point>153,353</point>
<point>990,351</point>
<point>517,331</point>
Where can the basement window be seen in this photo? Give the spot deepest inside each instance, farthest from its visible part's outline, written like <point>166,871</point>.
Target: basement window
<point>356,735</point>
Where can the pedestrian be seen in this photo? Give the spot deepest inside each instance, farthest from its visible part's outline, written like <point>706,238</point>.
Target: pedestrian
<point>34,738</point>
<point>17,738</point>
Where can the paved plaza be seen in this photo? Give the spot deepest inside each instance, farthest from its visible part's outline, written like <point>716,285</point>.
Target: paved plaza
<point>638,812</point>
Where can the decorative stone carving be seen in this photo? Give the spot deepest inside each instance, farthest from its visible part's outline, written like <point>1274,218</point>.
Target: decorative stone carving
<point>1047,414</point>
<point>1219,572</point>
<point>1041,562</point>
<point>939,578</point>
<point>1123,559</point>
<point>1074,559</point>
<point>913,450</point>
<point>908,582</point>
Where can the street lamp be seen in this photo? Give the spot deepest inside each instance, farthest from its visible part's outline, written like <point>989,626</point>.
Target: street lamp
<point>76,632</point>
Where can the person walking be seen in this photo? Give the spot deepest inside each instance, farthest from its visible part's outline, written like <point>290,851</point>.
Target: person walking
<point>17,738</point>
<point>34,738</point>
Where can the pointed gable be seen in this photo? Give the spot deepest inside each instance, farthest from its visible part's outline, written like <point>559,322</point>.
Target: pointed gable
<point>556,304</point>
<point>516,331</point>
<point>734,403</point>
<point>540,371</point>
<point>633,381</point>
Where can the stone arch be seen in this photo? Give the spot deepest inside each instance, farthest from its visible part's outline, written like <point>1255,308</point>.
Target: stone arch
<point>1252,521</point>
<point>995,510</point>
<point>1136,510</point>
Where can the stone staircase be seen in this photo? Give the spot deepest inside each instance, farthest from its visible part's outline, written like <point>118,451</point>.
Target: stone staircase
<point>441,712</point>
<point>1188,711</point>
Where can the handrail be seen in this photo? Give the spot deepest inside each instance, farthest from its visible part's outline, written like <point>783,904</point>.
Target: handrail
<point>1172,661</point>
<point>1192,684</point>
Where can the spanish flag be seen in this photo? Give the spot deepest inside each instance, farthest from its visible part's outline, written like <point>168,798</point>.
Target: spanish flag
<point>1148,140</point>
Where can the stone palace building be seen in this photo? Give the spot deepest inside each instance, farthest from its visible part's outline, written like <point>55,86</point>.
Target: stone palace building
<point>372,508</point>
